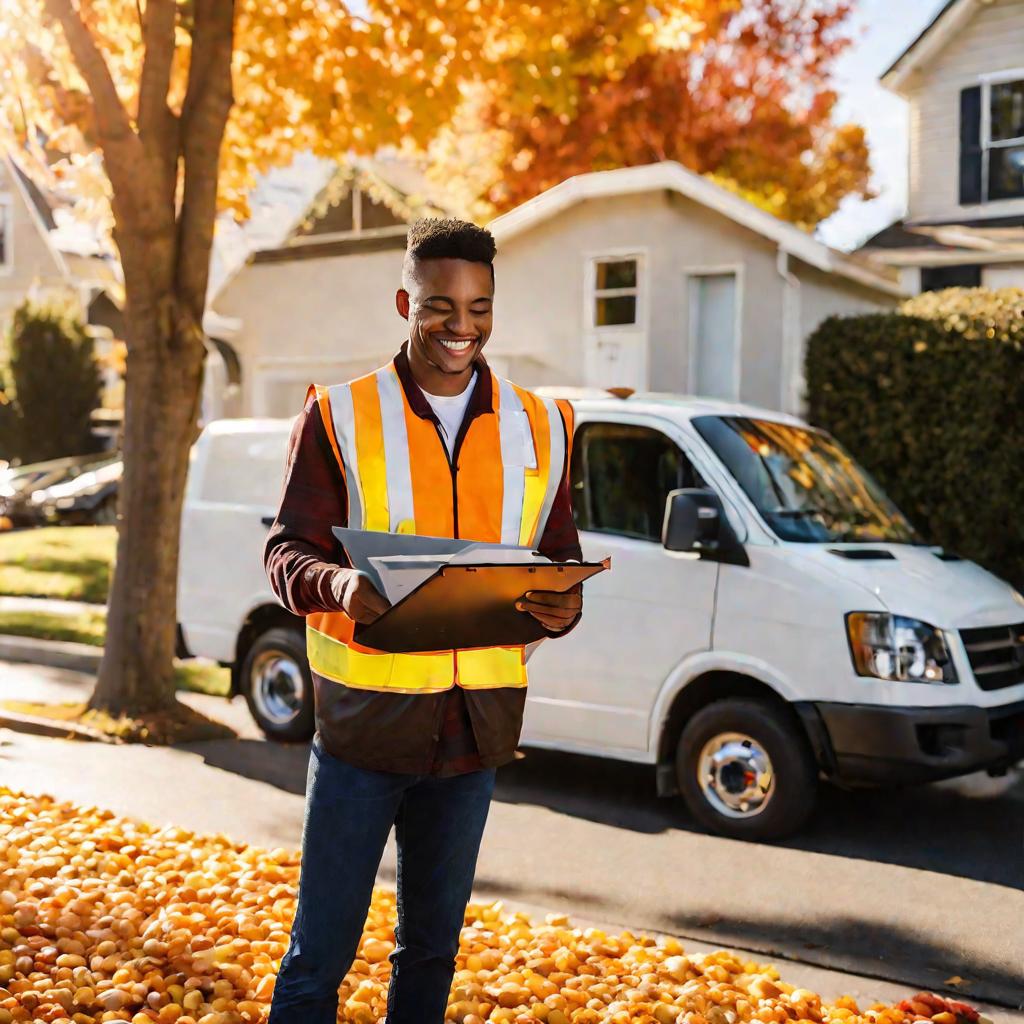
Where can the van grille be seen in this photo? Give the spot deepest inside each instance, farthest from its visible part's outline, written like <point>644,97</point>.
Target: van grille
<point>996,654</point>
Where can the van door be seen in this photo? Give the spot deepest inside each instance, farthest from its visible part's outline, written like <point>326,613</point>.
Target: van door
<point>595,689</point>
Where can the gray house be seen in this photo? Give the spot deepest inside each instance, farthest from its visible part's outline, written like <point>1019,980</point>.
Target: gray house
<point>646,277</point>
<point>963,78</point>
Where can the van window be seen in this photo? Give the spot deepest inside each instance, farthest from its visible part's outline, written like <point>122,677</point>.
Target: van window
<point>622,474</point>
<point>245,468</point>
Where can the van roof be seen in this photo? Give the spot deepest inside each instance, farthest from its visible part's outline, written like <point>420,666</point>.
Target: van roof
<point>655,402</point>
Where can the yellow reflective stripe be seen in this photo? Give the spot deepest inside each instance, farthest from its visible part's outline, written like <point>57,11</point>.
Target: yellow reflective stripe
<point>370,454</point>
<point>556,466</point>
<point>398,466</point>
<point>398,673</point>
<point>491,667</point>
<point>536,480</point>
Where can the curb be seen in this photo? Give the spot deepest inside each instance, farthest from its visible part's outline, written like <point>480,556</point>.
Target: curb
<point>39,726</point>
<point>53,653</point>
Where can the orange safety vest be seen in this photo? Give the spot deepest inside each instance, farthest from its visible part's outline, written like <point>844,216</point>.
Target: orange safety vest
<point>400,480</point>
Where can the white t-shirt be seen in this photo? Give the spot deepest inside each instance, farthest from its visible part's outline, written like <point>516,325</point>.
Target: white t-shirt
<point>451,411</point>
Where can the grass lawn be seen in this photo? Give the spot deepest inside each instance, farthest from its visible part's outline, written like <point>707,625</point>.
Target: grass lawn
<point>89,628</point>
<point>69,562</point>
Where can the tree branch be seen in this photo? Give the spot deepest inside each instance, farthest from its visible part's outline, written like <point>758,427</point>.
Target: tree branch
<point>158,43</point>
<point>119,141</point>
<point>207,104</point>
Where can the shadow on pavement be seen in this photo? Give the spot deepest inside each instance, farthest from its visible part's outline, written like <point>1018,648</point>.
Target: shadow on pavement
<point>862,947</point>
<point>928,827</point>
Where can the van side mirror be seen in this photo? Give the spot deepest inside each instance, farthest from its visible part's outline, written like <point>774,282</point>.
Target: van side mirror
<point>695,521</point>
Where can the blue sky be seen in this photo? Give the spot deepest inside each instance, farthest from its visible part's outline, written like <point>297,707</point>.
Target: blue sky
<point>881,29</point>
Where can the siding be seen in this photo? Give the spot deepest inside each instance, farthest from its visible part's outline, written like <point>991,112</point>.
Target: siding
<point>33,261</point>
<point>992,41</point>
<point>1003,275</point>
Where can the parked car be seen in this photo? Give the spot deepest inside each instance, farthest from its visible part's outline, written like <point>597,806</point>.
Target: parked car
<point>87,499</point>
<point>770,617</point>
<point>24,490</point>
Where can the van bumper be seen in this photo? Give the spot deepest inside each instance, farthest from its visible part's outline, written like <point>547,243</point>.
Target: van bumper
<point>865,743</point>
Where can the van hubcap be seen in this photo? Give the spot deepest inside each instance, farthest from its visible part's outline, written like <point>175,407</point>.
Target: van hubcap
<point>735,775</point>
<point>277,686</point>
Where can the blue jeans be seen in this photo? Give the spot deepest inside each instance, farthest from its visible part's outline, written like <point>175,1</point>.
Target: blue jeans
<point>349,812</point>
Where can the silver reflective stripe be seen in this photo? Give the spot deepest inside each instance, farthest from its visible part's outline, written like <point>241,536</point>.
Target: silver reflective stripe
<point>556,465</point>
<point>344,417</point>
<point>397,469</point>
<point>510,413</point>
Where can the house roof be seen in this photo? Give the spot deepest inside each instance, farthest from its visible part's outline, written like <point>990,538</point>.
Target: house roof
<point>994,241</point>
<point>673,177</point>
<point>948,20</point>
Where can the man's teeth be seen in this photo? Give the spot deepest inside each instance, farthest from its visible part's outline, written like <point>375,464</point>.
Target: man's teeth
<point>456,346</point>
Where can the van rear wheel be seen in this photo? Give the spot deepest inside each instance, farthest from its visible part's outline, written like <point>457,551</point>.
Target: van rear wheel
<point>277,685</point>
<point>745,770</point>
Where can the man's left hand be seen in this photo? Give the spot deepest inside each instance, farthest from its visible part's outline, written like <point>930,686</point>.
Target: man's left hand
<point>554,610</point>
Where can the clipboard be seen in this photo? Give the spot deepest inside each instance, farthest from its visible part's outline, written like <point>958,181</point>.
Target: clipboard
<point>466,606</point>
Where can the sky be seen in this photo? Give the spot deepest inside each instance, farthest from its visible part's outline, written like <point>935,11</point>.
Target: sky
<point>881,29</point>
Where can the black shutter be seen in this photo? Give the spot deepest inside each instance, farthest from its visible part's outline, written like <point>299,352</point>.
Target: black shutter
<point>970,145</point>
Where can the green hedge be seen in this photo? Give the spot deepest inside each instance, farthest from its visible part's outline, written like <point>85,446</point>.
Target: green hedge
<point>933,406</point>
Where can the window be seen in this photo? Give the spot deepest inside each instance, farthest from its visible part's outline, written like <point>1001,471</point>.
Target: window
<point>615,292</point>
<point>621,476</point>
<point>992,141</point>
<point>934,279</point>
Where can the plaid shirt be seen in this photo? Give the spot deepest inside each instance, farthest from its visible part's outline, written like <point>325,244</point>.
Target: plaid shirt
<point>440,734</point>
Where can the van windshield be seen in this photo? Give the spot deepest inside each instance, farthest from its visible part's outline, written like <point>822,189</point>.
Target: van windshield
<point>804,484</point>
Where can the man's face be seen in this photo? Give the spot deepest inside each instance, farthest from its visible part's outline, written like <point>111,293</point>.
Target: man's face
<point>449,306</point>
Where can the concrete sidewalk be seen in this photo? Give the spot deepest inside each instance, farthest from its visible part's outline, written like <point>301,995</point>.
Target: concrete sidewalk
<point>47,605</point>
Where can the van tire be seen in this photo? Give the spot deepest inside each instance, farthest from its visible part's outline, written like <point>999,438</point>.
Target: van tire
<point>794,772</point>
<point>290,672</point>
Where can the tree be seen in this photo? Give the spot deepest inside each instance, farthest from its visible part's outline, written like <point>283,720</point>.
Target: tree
<point>752,108</point>
<point>54,382</point>
<point>166,110</point>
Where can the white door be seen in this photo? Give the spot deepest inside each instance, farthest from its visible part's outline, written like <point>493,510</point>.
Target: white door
<point>615,345</point>
<point>713,336</point>
<point>616,360</point>
<point>595,689</point>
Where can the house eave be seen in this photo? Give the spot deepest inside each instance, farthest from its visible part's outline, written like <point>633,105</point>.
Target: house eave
<point>943,27</point>
<point>673,177</point>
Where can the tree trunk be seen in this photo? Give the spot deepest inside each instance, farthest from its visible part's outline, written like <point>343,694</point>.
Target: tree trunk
<point>162,389</point>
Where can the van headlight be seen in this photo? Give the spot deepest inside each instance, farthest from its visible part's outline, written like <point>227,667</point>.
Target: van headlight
<point>893,647</point>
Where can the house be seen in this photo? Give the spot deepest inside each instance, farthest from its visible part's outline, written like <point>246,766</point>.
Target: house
<point>963,78</point>
<point>645,277</point>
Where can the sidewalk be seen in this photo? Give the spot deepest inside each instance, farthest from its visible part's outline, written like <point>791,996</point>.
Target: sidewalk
<point>47,605</point>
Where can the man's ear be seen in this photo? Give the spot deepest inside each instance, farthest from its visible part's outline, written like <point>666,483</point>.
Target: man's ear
<point>402,303</point>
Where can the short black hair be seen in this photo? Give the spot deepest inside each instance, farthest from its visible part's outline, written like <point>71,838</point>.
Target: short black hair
<point>437,238</point>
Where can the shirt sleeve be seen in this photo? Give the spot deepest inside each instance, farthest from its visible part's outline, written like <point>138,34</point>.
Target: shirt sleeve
<point>301,555</point>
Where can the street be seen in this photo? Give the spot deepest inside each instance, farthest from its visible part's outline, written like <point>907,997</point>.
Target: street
<point>915,887</point>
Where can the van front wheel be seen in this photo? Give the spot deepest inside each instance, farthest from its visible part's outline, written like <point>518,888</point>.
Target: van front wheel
<point>745,770</point>
<point>277,685</point>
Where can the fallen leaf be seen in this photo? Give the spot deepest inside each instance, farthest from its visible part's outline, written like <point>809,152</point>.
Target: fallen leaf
<point>957,982</point>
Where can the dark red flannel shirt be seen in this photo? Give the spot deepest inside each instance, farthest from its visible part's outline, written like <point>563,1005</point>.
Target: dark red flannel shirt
<point>441,734</point>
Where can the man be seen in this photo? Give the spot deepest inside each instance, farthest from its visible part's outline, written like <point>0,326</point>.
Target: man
<point>432,444</point>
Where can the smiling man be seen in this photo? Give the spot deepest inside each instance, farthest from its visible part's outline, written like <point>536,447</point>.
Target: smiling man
<point>433,444</point>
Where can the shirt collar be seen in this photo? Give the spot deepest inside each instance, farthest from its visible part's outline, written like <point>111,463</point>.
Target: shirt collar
<point>480,402</point>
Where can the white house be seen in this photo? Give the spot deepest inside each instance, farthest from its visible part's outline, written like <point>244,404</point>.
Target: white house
<point>646,277</point>
<point>963,78</point>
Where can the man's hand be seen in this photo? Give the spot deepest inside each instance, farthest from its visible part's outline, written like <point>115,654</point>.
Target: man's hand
<point>358,597</point>
<point>555,611</point>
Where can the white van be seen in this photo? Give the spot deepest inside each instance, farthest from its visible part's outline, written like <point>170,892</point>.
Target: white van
<point>770,616</point>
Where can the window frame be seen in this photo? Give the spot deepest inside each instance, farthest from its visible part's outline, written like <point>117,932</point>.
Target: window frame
<point>987,144</point>
<point>591,293</point>
<point>605,421</point>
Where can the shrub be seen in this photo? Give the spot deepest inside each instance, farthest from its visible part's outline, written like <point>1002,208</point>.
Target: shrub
<point>932,405</point>
<point>53,383</point>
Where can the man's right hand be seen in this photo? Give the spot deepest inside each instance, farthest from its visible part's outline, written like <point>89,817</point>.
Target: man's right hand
<point>358,597</point>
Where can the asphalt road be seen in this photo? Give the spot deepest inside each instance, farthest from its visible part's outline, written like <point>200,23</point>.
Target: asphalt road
<point>916,886</point>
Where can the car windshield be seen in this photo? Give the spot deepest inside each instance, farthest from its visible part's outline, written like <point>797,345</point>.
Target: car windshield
<point>804,484</point>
